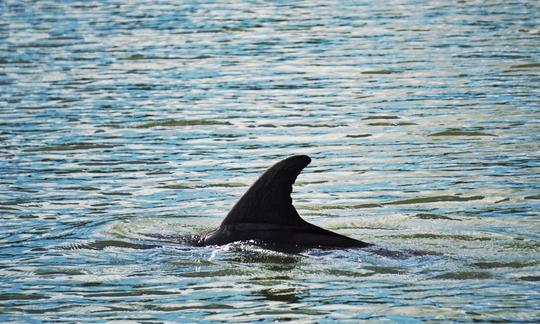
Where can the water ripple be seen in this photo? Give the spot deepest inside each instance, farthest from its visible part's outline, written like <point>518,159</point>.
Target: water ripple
<point>126,125</point>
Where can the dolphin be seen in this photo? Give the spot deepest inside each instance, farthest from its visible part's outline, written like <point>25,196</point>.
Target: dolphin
<point>265,215</point>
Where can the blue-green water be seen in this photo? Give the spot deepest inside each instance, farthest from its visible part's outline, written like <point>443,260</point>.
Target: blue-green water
<point>123,119</point>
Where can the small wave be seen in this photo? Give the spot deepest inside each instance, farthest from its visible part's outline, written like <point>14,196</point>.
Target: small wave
<point>455,237</point>
<point>104,244</point>
<point>380,117</point>
<point>70,147</point>
<point>392,124</point>
<point>180,123</point>
<point>430,216</point>
<point>442,198</point>
<point>465,275</point>
<point>526,66</point>
<point>458,132</point>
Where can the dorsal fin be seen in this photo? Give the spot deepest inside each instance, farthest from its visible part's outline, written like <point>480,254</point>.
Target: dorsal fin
<point>268,200</point>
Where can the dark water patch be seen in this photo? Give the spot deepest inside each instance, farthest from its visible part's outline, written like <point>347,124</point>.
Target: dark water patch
<point>93,284</point>
<point>312,125</point>
<point>230,272</point>
<point>115,193</point>
<point>358,135</point>
<point>208,185</point>
<point>177,186</point>
<point>285,295</point>
<point>392,124</point>
<point>526,66</point>
<point>5,208</point>
<point>223,185</point>
<point>523,244</point>
<point>289,86</point>
<point>274,260</point>
<point>132,293</point>
<point>355,206</point>
<point>385,117</point>
<point>102,245</point>
<point>20,201</point>
<point>226,136</point>
<point>502,264</point>
<point>157,172</point>
<point>181,123</point>
<point>143,87</point>
<point>23,296</point>
<point>302,183</point>
<point>465,275</point>
<point>135,57</point>
<point>252,147</point>
<point>71,147</point>
<point>271,279</point>
<point>66,37</point>
<point>43,44</point>
<point>402,254</point>
<point>530,278</point>
<point>348,273</point>
<point>27,216</point>
<point>66,100</point>
<point>454,237</point>
<point>427,200</point>
<point>456,132</point>
<point>76,188</point>
<point>429,216</point>
<point>5,81</point>
<point>380,72</point>
<point>58,271</point>
<point>15,61</point>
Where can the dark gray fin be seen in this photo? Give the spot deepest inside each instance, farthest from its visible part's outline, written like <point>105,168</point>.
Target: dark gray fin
<point>268,200</point>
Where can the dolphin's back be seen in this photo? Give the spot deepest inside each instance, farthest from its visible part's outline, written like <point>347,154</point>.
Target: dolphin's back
<point>265,213</point>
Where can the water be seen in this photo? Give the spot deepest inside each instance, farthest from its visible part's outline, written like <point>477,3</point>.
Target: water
<point>120,120</point>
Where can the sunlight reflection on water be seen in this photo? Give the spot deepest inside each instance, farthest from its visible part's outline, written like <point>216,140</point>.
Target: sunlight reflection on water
<point>125,120</point>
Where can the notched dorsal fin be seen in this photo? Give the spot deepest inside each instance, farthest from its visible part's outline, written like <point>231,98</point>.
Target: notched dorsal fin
<point>269,200</point>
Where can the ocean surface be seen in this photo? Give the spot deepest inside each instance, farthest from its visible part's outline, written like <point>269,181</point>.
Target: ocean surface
<point>121,121</point>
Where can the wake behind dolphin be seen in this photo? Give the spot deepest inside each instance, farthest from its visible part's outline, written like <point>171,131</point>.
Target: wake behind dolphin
<point>265,214</point>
